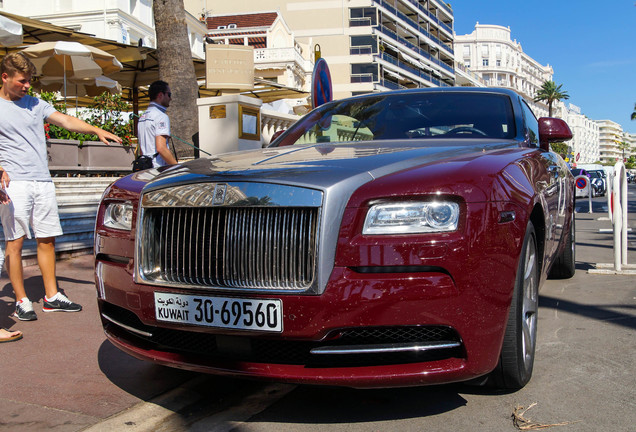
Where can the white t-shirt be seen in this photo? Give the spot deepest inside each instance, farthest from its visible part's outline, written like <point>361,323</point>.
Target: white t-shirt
<point>152,123</point>
<point>22,139</point>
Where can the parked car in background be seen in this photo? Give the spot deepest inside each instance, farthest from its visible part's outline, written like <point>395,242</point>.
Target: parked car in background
<point>579,171</point>
<point>391,239</point>
<point>599,183</point>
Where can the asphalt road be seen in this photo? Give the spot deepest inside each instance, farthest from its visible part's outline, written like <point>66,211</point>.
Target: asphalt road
<point>64,375</point>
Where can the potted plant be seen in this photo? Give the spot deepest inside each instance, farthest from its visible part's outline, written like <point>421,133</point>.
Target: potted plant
<point>69,150</point>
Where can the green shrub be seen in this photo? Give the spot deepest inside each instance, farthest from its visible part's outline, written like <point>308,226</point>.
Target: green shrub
<point>108,112</point>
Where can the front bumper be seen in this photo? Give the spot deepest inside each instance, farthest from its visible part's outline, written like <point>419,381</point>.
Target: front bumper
<point>415,309</point>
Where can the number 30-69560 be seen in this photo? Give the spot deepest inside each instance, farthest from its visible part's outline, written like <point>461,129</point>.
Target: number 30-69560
<point>237,313</point>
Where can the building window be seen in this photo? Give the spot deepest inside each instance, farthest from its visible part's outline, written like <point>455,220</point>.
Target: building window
<point>466,51</point>
<point>363,17</point>
<point>484,62</point>
<point>365,44</point>
<point>364,72</point>
<point>498,62</point>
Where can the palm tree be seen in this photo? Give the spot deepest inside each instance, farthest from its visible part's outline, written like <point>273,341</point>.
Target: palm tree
<point>177,69</point>
<point>550,92</point>
<point>622,146</point>
<point>634,113</point>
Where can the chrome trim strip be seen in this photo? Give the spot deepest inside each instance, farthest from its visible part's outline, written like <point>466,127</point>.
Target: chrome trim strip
<point>232,194</point>
<point>385,348</point>
<point>129,328</point>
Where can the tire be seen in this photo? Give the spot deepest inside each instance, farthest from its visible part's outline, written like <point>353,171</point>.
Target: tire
<point>516,360</point>
<point>564,265</point>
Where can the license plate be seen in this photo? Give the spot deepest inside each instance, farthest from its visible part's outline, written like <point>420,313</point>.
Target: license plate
<point>224,312</point>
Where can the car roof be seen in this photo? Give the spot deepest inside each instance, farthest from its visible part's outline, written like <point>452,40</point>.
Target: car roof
<point>487,90</point>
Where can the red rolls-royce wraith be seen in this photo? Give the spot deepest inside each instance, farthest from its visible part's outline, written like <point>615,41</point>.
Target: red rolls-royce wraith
<point>390,239</point>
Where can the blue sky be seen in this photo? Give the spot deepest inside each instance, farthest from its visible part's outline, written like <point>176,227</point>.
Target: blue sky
<point>591,46</point>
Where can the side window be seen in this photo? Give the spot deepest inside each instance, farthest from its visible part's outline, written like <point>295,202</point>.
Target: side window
<point>532,125</point>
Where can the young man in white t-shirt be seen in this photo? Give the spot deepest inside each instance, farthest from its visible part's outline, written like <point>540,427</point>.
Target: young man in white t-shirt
<point>153,129</point>
<point>27,181</point>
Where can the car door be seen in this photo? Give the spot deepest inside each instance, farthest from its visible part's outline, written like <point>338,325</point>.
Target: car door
<point>549,182</point>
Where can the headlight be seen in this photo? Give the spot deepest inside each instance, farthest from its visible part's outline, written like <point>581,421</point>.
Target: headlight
<point>119,216</point>
<point>412,217</point>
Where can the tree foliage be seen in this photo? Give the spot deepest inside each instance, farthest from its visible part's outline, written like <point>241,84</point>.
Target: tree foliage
<point>550,93</point>
<point>106,111</point>
<point>560,148</point>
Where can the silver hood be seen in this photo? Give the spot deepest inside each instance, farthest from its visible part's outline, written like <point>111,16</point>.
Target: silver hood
<point>324,166</point>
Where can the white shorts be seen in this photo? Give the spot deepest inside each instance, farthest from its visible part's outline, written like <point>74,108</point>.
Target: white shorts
<point>32,204</point>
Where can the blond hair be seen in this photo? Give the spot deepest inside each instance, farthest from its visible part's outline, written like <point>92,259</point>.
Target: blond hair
<point>17,63</point>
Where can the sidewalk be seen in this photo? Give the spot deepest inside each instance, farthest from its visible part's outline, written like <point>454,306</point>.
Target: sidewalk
<point>65,376</point>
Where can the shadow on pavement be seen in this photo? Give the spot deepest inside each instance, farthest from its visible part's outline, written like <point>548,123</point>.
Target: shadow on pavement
<point>362,406</point>
<point>75,281</point>
<point>584,266</point>
<point>597,312</point>
<point>139,378</point>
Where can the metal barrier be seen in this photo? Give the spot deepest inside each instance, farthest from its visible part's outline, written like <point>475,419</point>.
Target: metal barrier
<point>617,208</point>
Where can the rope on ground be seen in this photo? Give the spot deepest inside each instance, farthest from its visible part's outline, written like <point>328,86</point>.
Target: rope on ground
<point>524,424</point>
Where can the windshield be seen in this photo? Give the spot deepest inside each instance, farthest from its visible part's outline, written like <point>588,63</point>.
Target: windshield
<point>405,116</point>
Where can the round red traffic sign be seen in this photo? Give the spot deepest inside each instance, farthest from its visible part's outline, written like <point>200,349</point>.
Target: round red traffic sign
<point>581,182</point>
<point>321,86</point>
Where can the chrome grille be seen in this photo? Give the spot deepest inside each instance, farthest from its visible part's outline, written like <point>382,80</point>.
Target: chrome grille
<point>271,248</point>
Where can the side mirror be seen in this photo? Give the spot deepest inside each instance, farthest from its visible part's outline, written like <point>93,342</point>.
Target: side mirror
<point>551,130</point>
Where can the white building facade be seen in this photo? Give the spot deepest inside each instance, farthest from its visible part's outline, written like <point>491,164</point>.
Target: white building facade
<point>369,45</point>
<point>610,135</point>
<point>278,56</point>
<point>500,61</point>
<point>125,21</point>
<point>585,134</point>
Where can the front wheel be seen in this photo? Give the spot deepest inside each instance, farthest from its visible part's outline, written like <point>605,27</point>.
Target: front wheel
<point>517,353</point>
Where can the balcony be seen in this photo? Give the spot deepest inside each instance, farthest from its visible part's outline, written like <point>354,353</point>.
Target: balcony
<point>360,22</point>
<point>433,17</point>
<point>388,7</point>
<point>362,78</point>
<point>361,49</point>
<point>391,85</point>
<point>264,56</point>
<point>426,76</point>
<point>399,40</point>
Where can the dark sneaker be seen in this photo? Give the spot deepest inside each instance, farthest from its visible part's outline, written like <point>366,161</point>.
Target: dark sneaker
<point>60,304</point>
<point>24,311</point>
